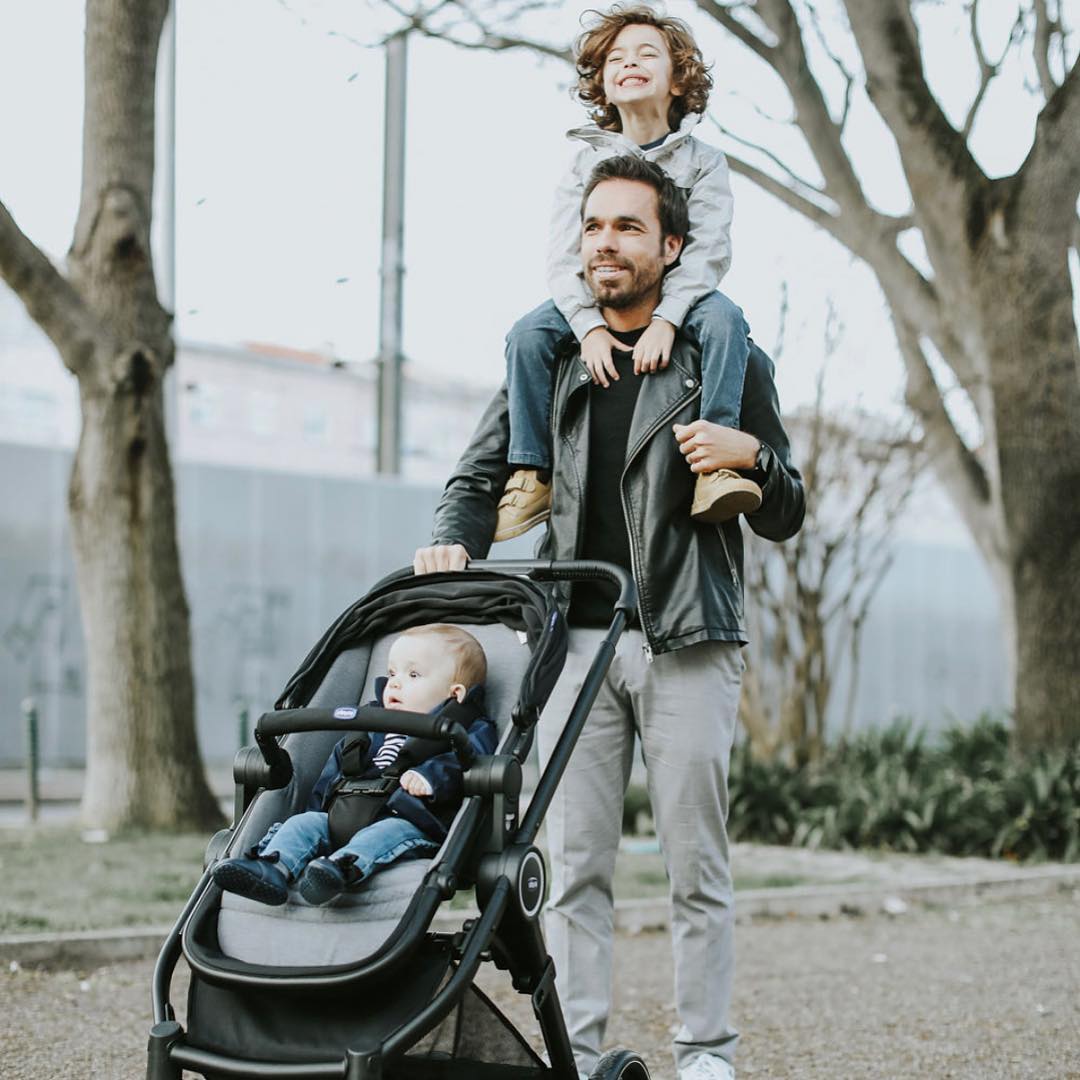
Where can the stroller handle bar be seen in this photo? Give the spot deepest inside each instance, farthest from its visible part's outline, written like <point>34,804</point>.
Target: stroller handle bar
<point>363,718</point>
<point>568,570</point>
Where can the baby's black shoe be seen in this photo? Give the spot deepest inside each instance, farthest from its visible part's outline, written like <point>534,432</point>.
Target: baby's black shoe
<point>326,879</point>
<point>257,879</point>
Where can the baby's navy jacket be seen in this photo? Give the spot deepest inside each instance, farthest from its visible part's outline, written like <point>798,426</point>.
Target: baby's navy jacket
<point>431,814</point>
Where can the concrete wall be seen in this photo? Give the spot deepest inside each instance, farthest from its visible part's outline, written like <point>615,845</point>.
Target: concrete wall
<point>270,559</point>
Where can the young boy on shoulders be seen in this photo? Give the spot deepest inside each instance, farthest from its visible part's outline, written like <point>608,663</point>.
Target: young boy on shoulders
<point>643,77</point>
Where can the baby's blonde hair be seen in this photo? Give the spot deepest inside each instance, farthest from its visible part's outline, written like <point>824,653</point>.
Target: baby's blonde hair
<point>470,663</point>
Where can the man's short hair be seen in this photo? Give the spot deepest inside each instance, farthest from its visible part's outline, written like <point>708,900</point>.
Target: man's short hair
<point>470,663</point>
<point>674,215</point>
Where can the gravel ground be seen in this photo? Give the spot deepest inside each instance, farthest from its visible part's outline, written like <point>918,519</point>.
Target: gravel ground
<point>982,991</point>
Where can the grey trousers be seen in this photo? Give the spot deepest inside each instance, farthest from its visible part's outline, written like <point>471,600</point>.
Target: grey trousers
<point>683,705</point>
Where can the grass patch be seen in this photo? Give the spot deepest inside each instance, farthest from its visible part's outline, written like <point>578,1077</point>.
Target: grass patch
<point>51,880</point>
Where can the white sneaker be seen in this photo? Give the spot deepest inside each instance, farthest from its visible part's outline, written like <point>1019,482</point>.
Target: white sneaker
<point>708,1067</point>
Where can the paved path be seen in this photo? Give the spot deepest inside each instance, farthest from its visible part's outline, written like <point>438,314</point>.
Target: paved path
<point>975,992</point>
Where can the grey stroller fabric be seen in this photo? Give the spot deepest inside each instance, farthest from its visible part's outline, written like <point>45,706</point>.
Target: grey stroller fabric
<point>300,935</point>
<point>358,924</point>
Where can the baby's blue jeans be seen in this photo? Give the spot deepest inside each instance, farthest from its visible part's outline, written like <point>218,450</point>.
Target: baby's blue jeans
<point>714,325</point>
<point>306,836</point>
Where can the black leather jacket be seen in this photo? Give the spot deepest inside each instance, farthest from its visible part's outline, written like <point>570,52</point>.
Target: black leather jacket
<point>689,576</point>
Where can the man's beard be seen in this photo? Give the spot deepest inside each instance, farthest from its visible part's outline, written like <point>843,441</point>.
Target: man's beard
<point>642,280</point>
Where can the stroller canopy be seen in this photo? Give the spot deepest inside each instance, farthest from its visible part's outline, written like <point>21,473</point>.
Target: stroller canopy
<point>403,600</point>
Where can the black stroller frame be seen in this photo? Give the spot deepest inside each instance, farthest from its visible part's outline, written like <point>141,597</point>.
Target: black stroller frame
<point>488,846</point>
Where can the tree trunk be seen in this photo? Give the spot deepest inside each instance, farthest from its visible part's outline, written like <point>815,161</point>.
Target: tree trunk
<point>143,763</point>
<point>1031,339</point>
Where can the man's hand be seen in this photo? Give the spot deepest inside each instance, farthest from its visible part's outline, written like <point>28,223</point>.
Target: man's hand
<point>596,349</point>
<point>415,784</point>
<point>439,559</point>
<point>653,348</point>
<point>708,447</point>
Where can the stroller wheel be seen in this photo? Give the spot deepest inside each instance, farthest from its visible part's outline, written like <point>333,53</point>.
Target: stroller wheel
<point>621,1065</point>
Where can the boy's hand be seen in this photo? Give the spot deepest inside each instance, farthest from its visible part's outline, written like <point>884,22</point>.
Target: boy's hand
<point>439,559</point>
<point>415,784</point>
<point>596,355</point>
<point>708,447</point>
<point>653,348</point>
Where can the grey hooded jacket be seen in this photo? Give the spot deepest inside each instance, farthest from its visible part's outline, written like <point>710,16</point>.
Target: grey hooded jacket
<point>688,575</point>
<point>699,169</point>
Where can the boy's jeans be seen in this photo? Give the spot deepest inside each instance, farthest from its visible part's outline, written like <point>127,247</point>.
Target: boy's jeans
<point>306,836</point>
<point>714,325</point>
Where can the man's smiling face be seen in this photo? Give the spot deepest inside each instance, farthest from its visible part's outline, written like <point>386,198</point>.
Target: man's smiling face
<point>623,252</point>
<point>638,68</point>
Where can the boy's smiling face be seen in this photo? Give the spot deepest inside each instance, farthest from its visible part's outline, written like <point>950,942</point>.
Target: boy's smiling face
<point>638,70</point>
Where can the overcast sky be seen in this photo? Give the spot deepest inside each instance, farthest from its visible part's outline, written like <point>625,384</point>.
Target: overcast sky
<point>279,177</point>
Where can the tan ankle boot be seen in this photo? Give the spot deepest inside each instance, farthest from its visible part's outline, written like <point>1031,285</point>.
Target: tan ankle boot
<point>526,502</point>
<point>722,495</point>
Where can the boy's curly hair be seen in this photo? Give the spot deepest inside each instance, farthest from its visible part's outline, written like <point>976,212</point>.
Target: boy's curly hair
<point>688,70</point>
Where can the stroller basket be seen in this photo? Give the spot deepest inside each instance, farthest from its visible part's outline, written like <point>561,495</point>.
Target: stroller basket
<point>405,1006</point>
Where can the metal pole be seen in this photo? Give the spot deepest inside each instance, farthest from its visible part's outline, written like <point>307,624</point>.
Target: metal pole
<point>167,90</point>
<point>388,449</point>
<point>243,727</point>
<point>33,801</point>
<point>165,264</point>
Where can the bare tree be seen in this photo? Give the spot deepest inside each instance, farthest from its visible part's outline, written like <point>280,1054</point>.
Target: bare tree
<point>807,600</point>
<point>989,323</point>
<point>143,763</point>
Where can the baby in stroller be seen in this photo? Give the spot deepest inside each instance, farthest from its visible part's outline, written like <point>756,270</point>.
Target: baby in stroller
<point>381,797</point>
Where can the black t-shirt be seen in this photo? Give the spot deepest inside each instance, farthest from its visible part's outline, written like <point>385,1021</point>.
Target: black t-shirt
<point>652,145</point>
<point>605,536</point>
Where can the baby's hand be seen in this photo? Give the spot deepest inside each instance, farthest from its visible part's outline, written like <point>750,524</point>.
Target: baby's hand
<point>415,784</point>
<point>653,348</point>
<point>596,355</point>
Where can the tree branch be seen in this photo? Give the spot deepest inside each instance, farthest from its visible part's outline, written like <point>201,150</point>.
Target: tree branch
<point>1045,29</point>
<point>487,39</point>
<point>798,182</point>
<point>737,29</point>
<point>49,297</point>
<point>956,465</point>
<point>822,133</point>
<point>987,71</point>
<point>848,77</point>
<point>939,167</point>
<point>1052,169</point>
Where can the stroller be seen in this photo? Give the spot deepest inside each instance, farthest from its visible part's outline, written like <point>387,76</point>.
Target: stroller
<point>368,988</point>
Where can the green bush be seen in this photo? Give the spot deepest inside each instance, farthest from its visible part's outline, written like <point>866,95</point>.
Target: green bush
<point>970,793</point>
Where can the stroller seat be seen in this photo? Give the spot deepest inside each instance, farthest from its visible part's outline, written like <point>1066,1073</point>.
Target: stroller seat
<point>358,923</point>
<point>298,934</point>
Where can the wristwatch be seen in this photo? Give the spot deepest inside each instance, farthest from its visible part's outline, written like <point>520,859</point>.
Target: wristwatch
<point>762,461</point>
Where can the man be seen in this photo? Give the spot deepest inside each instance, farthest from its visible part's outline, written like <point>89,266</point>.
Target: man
<point>625,458</point>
